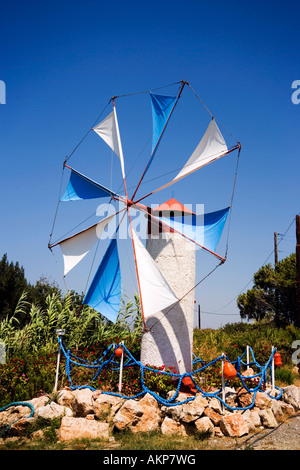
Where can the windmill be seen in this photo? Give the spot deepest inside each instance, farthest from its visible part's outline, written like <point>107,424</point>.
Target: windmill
<point>156,294</point>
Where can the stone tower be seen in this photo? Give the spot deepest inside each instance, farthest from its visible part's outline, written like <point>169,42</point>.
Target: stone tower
<point>169,337</point>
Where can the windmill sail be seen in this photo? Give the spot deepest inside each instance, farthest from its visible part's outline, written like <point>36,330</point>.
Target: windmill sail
<point>75,248</point>
<point>108,130</point>
<point>161,109</point>
<point>211,147</point>
<point>82,187</point>
<point>104,294</point>
<point>205,230</point>
<point>155,292</point>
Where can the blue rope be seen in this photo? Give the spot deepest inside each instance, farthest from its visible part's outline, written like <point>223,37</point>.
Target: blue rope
<point>17,403</point>
<point>106,361</point>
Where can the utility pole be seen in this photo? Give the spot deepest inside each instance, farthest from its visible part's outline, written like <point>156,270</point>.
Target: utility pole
<point>276,248</point>
<point>298,268</point>
<point>276,264</point>
<point>199,317</point>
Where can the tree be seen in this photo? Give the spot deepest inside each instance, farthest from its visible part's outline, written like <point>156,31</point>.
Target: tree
<point>38,293</point>
<point>12,284</point>
<point>273,295</point>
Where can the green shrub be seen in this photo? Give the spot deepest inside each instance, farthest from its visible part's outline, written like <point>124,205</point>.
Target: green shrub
<point>284,375</point>
<point>32,350</point>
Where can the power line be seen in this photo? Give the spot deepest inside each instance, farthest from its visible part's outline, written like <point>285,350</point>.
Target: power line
<point>271,254</point>
<point>221,314</point>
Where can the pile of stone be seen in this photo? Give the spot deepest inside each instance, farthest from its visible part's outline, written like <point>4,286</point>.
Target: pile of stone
<point>91,414</point>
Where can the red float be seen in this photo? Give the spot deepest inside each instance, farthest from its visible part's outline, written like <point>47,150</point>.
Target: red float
<point>229,371</point>
<point>119,352</point>
<point>277,359</point>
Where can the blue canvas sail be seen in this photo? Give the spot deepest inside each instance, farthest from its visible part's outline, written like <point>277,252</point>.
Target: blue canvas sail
<point>82,187</point>
<point>161,109</point>
<point>205,230</point>
<point>104,294</point>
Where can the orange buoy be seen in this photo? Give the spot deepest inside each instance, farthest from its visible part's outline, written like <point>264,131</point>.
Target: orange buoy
<point>277,359</point>
<point>229,371</point>
<point>119,351</point>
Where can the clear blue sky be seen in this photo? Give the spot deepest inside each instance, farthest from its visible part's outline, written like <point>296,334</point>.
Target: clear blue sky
<point>62,61</point>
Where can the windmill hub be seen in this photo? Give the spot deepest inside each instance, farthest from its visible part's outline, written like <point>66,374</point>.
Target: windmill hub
<point>129,202</point>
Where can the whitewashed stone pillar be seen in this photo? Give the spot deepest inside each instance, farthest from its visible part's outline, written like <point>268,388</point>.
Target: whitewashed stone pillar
<point>169,340</point>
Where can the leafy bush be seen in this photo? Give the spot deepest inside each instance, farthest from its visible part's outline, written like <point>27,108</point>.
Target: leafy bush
<point>31,349</point>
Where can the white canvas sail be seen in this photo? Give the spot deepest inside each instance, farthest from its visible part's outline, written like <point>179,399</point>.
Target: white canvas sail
<point>155,291</point>
<point>211,147</point>
<point>75,248</point>
<point>108,130</point>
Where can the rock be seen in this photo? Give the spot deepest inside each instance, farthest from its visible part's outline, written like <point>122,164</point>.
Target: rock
<point>14,413</point>
<point>248,372</point>
<point>10,440</point>
<point>19,427</point>
<point>180,396</point>
<point>173,412</point>
<point>128,414</point>
<point>276,408</point>
<point>10,415</point>
<point>90,417</point>
<point>66,398</point>
<point>149,400</point>
<point>213,416</point>
<point>248,418</point>
<point>84,403</point>
<point>79,428</point>
<point>106,406</point>
<point>234,425</point>
<point>268,419</point>
<point>245,398</point>
<point>40,434</point>
<point>288,410</point>
<point>52,411</point>
<point>84,411</point>
<point>218,432</point>
<point>291,395</point>
<point>216,405</point>
<point>39,401</point>
<point>193,409</point>
<point>96,394</point>
<point>144,415</point>
<point>296,370</point>
<point>230,397</point>
<point>255,417</point>
<point>187,412</point>
<point>262,400</point>
<point>273,392</point>
<point>204,425</point>
<point>169,427</point>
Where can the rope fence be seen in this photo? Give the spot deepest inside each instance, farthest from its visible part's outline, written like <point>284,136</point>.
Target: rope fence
<point>107,361</point>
